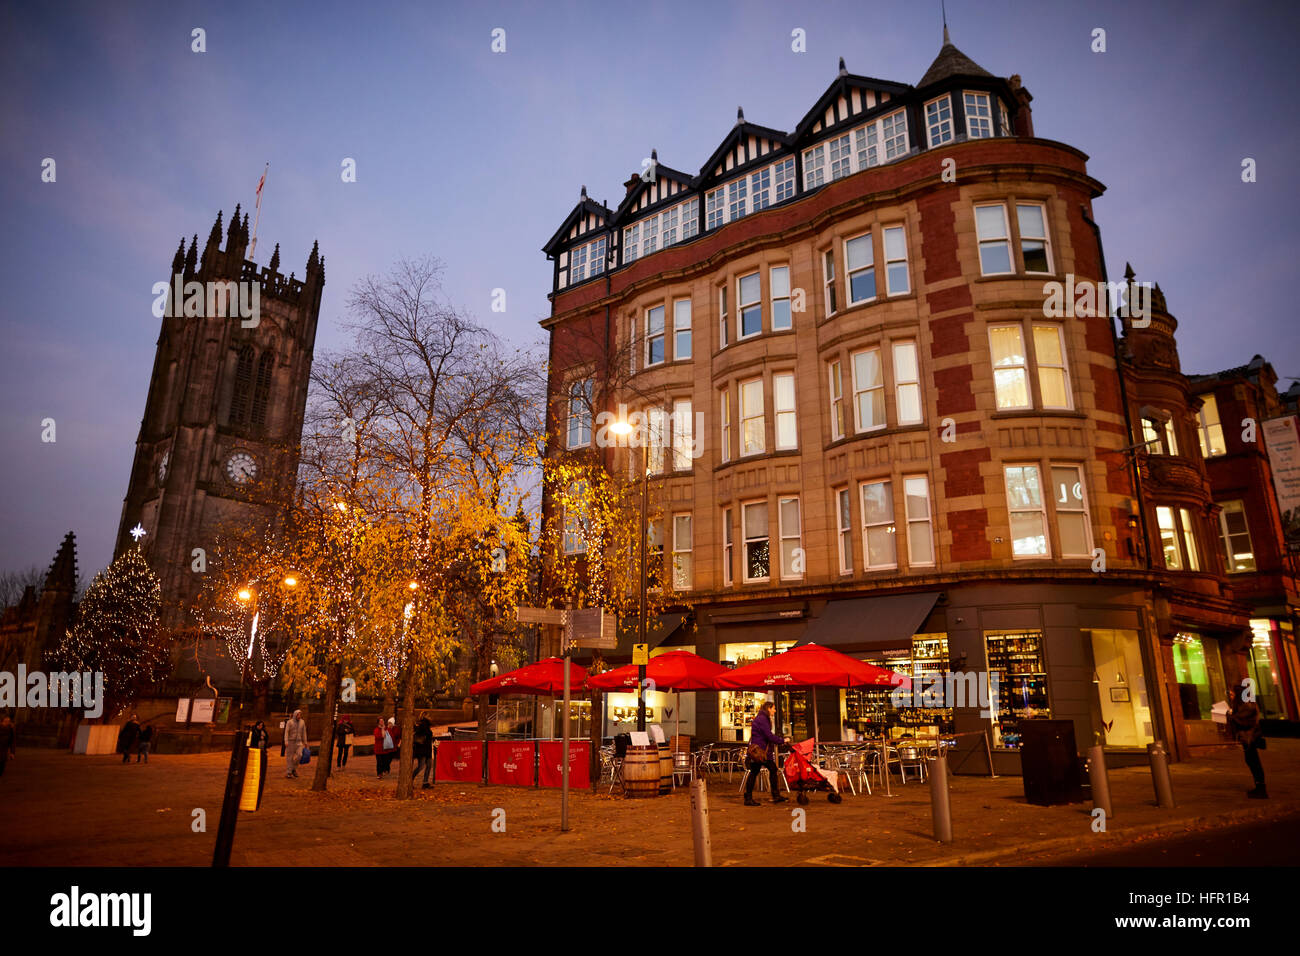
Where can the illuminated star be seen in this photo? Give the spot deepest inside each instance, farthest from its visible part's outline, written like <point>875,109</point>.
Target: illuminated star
<point>138,532</point>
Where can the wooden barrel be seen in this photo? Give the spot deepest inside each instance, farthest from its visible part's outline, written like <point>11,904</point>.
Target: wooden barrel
<point>641,771</point>
<point>665,769</point>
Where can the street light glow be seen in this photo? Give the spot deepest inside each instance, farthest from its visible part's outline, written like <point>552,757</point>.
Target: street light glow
<point>245,594</point>
<point>291,582</point>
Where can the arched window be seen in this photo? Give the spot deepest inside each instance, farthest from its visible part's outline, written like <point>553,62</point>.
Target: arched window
<point>239,398</point>
<point>262,393</point>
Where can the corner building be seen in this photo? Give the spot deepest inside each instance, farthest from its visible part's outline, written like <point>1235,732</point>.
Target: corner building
<point>897,454</point>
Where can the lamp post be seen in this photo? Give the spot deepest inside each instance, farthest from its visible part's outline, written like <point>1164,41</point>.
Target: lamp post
<point>623,428</point>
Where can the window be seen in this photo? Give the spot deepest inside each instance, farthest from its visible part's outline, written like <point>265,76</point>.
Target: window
<point>578,264</point>
<point>907,383</point>
<point>994,239</point>
<point>726,548</point>
<point>868,391</point>
<point>668,225</point>
<point>753,517</point>
<point>896,282</point>
<point>737,198</point>
<point>840,156</point>
<point>683,436</point>
<point>814,166</point>
<point>867,142</point>
<point>1171,440</point>
<point>837,400</point>
<point>262,390</point>
<point>760,184</point>
<point>649,235</point>
<point>1025,504</point>
<point>1073,530</point>
<point>239,399</point>
<point>683,569</point>
<point>632,242</point>
<point>860,268</point>
<point>1053,379</point>
<point>690,218</point>
<point>783,175</point>
<point>783,407</point>
<point>1018,661</point>
<point>856,150</point>
<point>879,547</point>
<point>1010,366</point>
<point>599,252</point>
<point>792,560</point>
<point>1119,687</point>
<point>654,556</point>
<point>778,283</point>
<point>843,525</point>
<point>724,417</point>
<point>1211,430</point>
<point>1189,540</point>
<point>715,210</point>
<point>1005,118</point>
<point>752,425</point>
<point>723,338</point>
<point>938,121</point>
<point>575,528</point>
<point>1169,538</point>
<point>654,336</point>
<point>920,527</point>
<point>979,117</point>
<point>656,440</point>
<point>1035,247</point>
<point>828,272</point>
<point>580,414</point>
<point>1234,535</point>
<point>587,260</point>
<point>682,329</point>
<point>1158,437</point>
<point>893,130</point>
<point>750,305</point>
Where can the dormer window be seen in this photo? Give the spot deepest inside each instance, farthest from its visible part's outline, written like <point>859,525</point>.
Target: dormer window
<point>938,121</point>
<point>979,115</point>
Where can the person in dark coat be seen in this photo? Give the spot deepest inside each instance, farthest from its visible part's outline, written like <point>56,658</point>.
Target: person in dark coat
<point>344,731</point>
<point>127,737</point>
<point>763,740</point>
<point>422,748</point>
<point>258,736</point>
<point>1243,719</point>
<point>8,738</point>
<point>143,742</point>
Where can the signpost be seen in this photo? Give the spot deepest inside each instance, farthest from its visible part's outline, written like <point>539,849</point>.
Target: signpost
<point>592,627</point>
<point>640,657</point>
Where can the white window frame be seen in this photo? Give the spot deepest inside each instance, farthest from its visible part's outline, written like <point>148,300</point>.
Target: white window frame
<point>988,241</point>
<point>578,263</point>
<point>742,305</point>
<point>831,302</point>
<point>632,242</point>
<point>728,549</point>
<point>681,327</point>
<point>978,110</point>
<point>579,414</point>
<point>1006,118</point>
<point>907,383</point>
<point>657,438</point>
<point>1189,539</point>
<point>1045,238</point>
<point>778,279</point>
<point>683,434</point>
<point>723,328</point>
<point>746,539</point>
<point>900,233</point>
<point>690,218</point>
<point>1179,563</point>
<point>785,534</point>
<point>1208,428</point>
<point>724,419</point>
<point>1060,507</point>
<point>926,519</point>
<point>844,528</point>
<point>760,189</point>
<point>896,142</point>
<point>748,415</point>
<point>651,336</point>
<point>843,154</point>
<point>859,390</point>
<point>1022,368</point>
<point>1235,506</point>
<point>890,524</point>
<point>1014,509</point>
<point>1064,367</point>
<point>938,121</point>
<point>683,566</point>
<point>715,208</point>
<point>850,272</point>
<point>785,419</point>
<point>783,184</point>
<point>835,390</point>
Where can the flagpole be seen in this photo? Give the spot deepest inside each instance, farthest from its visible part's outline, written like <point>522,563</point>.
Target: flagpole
<point>252,245</point>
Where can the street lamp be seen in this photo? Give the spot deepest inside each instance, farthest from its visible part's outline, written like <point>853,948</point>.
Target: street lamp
<point>623,428</point>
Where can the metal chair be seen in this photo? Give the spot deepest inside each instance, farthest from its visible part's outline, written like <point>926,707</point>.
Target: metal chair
<point>911,755</point>
<point>683,766</point>
<point>853,765</point>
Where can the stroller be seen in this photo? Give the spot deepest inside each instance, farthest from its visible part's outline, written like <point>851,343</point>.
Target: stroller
<point>803,777</point>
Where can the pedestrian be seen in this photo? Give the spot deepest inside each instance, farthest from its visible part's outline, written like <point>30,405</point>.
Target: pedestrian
<point>422,744</point>
<point>146,737</point>
<point>258,737</point>
<point>383,747</point>
<point>126,738</point>
<point>8,737</point>
<point>1243,718</point>
<point>761,754</point>
<point>295,738</point>
<point>344,731</point>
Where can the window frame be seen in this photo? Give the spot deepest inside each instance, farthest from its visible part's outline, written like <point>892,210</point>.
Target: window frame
<point>830,300</point>
<point>887,524</point>
<point>774,299</point>
<point>746,539</point>
<point>725,423</point>
<point>900,231</point>
<point>584,386</point>
<point>744,419</point>
<point>981,241</point>
<point>679,329</point>
<point>1039,366</point>
<point>844,528</point>
<point>976,119</point>
<point>743,306</point>
<point>790,414</point>
<point>1045,238</point>
<point>858,427</point>
<point>835,391</point>
<point>1083,509</point>
<point>901,383</point>
<point>928,520</point>
<point>688,551</point>
<point>932,111</point>
<point>1226,535</point>
<point>870,267</point>
<point>1206,429</point>
<point>651,337</point>
<point>728,549</point>
<point>682,426</point>
<point>1013,510</point>
<point>783,536</point>
<point>724,338</point>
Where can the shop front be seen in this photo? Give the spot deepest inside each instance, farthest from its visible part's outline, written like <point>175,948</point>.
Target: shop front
<point>1198,672</point>
<point>1271,663</point>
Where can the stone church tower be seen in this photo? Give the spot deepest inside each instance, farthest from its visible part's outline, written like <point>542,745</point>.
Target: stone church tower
<point>224,416</point>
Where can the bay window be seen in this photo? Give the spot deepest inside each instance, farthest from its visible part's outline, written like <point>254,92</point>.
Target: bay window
<point>753,516</point>
<point>844,534</point>
<point>778,284</point>
<point>682,329</point>
<point>896,280</point>
<point>783,408</point>
<point>859,262</point>
<point>749,304</point>
<point>1211,430</point>
<point>920,526</point>
<point>1073,528</point>
<point>683,564</point>
<point>836,385</point>
<point>787,510</point>
<point>907,383</point>
<point>879,545</point>
<point>752,423</point>
<point>655,353</point>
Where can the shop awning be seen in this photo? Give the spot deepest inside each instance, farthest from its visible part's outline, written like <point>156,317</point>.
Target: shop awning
<point>890,619</point>
<point>658,629</point>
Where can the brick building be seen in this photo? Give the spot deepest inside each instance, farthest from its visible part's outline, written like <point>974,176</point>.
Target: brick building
<point>863,429</point>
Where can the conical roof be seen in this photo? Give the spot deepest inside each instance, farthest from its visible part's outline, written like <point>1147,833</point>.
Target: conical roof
<point>951,62</point>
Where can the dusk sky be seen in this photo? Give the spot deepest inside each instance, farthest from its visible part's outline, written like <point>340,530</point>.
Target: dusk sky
<point>476,157</point>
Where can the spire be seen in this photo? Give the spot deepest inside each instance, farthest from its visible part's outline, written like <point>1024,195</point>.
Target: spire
<point>582,197</point>
<point>844,70</point>
<point>740,115</point>
<point>62,575</point>
<point>943,6</point>
<point>313,260</point>
<point>192,257</point>
<point>654,154</point>
<point>178,260</point>
<point>274,264</point>
<point>214,237</point>
<point>232,233</point>
<point>243,232</point>
<point>951,62</point>
<point>1128,272</point>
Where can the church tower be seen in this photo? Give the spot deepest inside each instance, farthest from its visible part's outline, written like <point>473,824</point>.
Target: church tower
<point>224,415</point>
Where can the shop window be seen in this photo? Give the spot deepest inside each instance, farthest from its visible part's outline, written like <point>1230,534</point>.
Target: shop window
<point>1262,668</point>
<point>736,709</point>
<point>1199,672</point>
<point>1018,660</point>
<point>1119,685</point>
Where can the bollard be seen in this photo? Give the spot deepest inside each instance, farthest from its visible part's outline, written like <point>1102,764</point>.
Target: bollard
<point>940,806</point>
<point>700,824</point>
<point>1099,781</point>
<point>1160,774</point>
<point>230,802</point>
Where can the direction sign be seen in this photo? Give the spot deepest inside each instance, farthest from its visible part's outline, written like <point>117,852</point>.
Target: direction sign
<point>542,615</point>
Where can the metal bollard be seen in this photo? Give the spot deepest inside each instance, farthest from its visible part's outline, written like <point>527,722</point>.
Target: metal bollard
<point>940,806</point>
<point>700,824</point>
<point>1160,774</point>
<point>1099,780</point>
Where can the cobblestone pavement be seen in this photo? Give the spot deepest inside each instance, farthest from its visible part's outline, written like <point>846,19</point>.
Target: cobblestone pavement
<point>61,809</point>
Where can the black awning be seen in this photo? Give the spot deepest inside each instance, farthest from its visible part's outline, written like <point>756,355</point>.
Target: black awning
<point>873,622</point>
<point>658,629</point>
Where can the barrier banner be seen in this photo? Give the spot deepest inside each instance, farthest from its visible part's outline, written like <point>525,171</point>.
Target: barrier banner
<point>550,771</point>
<point>510,762</point>
<point>460,760</point>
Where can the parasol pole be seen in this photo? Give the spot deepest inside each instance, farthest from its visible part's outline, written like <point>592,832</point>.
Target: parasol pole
<point>814,716</point>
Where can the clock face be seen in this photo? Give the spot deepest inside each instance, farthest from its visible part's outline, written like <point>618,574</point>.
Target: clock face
<point>162,467</point>
<point>241,467</point>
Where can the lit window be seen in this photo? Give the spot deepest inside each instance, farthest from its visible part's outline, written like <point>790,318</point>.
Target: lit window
<point>828,272</point>
<point>758,563</point>
<point>724,417</point>
<point>783,406</point>
<point>1234,535</point>
<point>1211,431</point>
<point>1010,367</point>
<point>920,525</point>
<point>979,117</point>
<point>1159,437</point>
<point>1035,247</point>
<point>1169,538</point>
<point>580,414</point>
<point>750,305</point>
<point>844,527</point>
<point>656,440</point>
<point>859,263</point>
<point>1189,540</point>
<point>1053,378</point>
<point>1074,532</point>
<point>1171,439</point>
<point>575,527</point>
<point>683,566</point>
<point>778,281</point>
<point>723,337</point>
<point>837,400</point>
<point>654,336</point>
<point>868,391</point>
<point>683,426</point>
<point>896,281</point>
<point>682,329</point>
<point>938,121</point>
<point>726,547</point>
<point>787,510</point>
<point>751,417</point>
<point>907,383</point>
<point>994,239</point>
<point>1025,504</point>
<point>879,545</point>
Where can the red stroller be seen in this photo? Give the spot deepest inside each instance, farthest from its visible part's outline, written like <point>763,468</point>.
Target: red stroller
<point>804,778</point>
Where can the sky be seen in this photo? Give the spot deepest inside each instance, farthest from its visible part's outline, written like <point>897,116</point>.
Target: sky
<point>476,157</point>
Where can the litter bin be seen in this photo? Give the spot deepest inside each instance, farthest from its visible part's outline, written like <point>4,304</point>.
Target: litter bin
<point>1049,762</point>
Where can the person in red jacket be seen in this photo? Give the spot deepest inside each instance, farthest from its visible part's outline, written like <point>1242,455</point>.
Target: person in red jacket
<point>384,744</point>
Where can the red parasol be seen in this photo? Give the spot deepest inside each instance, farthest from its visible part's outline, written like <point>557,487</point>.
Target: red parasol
<point>672,670</point>
<point>546,677</point>
<point>811,665</point>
